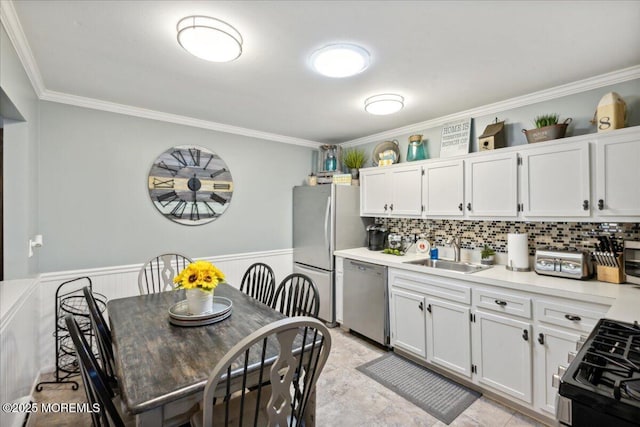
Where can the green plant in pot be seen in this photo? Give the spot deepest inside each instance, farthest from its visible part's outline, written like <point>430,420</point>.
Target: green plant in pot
<point>547,128</point>
<point>354,159</point>
<point>487,255</point>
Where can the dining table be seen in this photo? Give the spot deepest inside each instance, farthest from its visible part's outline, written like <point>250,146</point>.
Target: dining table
<point>162,368</point>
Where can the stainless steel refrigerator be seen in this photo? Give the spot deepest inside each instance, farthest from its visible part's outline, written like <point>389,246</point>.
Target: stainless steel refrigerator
<point>325,218</point>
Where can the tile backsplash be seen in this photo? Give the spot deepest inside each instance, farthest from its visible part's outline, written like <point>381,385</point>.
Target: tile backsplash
<point>475,234</point>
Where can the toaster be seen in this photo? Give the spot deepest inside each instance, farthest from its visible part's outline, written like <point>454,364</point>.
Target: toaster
<point>567,263</point>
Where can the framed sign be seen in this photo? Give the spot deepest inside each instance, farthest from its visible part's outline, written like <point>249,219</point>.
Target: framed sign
<point>455,138</point>
<point>190,185</point>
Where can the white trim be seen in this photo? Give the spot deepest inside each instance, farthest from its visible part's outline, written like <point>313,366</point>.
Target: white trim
<point>135,268</point>
<point>596,82</point>
<point>11,23</point>
<point>96,104</point>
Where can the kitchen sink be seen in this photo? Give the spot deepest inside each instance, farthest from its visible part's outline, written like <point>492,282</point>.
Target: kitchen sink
<point>443,264</point>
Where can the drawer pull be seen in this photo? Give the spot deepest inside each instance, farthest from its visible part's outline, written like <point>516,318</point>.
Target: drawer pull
<point>460,207</point>
<point>429,308</point>
<point>421,306</point>
<point>500,302</point>
<point>541,338</point>
<point>525,335</point>
<point>573,317</point>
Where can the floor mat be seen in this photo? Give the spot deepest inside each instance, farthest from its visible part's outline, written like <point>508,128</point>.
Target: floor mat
<point>439,396</point>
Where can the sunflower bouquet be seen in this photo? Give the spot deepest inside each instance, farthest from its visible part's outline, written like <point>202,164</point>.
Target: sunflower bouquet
<point>199,275</point>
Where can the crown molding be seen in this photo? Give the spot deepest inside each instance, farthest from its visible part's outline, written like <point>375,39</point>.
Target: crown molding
<point>11,24</point>
<point>579,86</point>
<point>96,104</point>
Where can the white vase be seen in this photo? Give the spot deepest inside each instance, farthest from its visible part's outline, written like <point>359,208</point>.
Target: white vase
<point>199,302</point>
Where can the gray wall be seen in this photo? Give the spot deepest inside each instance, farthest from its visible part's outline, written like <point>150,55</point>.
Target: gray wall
<point>94,205</point>
<point>20,161</point>
<point>580,107</point>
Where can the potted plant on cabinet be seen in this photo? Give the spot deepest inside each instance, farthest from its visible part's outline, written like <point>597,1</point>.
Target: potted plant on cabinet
<point>547,128</point>
<point>354,159</point>
<point>487,255</point>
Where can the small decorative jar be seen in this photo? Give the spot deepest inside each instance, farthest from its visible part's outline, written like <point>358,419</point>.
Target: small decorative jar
<point>199,302</point>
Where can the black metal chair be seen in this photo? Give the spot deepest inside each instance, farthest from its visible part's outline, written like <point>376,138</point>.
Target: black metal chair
<point>259,281</point>
<point>157,274</point>
<point>96,386</point>
<point>250,388</point>
<point>297,295</point>
<point>103,338</point>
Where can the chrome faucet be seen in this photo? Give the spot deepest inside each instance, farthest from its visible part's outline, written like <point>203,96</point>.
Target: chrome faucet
<point>454,242</point>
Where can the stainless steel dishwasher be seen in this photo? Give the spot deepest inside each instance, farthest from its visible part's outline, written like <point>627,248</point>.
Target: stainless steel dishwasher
<point>366,305</point>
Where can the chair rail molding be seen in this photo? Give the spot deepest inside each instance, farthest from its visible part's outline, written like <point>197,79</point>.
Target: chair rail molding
<point>122,281</point>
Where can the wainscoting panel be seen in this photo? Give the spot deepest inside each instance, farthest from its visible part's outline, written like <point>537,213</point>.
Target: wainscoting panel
<point>122,281</point>
<point>19,365</point>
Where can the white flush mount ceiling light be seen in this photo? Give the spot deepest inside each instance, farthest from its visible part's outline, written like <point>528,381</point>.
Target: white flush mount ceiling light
<point>384,104</point>
<point>340,60</point>
<point>209,38</point>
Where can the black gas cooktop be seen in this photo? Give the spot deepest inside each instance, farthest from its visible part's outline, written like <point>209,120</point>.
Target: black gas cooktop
<point>603,381</point>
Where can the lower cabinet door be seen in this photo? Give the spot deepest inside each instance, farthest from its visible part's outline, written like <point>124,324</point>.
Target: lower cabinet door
<point>502,353</point>
<point>449,336</point>
<point>407,321</point>
<point>552,347</point>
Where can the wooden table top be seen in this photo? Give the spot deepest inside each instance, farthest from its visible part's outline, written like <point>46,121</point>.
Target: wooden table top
<point>157,362</point>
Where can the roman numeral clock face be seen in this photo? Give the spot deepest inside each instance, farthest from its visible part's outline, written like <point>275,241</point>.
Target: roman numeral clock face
<point>190,185</point>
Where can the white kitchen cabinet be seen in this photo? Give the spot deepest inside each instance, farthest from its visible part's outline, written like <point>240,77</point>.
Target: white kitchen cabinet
<point>551,349</point>
<point>502,354</point>
<point>443,188</point>
<point>407,321</point>
<point>555,180</point>
<point>339,289</point>
<point>491,185</point>
<point>449,335</point>
<point>391,191</point>
<point>617,176</point>
<point>375,188</point>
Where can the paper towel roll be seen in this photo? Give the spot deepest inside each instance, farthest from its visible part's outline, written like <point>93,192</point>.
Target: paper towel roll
<point>518,252</point>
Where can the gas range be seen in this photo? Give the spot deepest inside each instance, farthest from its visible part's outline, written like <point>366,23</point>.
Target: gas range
<point>601,386</point>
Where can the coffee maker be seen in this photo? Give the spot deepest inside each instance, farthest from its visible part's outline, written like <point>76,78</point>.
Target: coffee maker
<point>376,237</point>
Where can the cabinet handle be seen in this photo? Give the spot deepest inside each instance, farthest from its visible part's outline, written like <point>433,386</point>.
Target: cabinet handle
<point>572,317</point>
<point>541,338</point>
<point>385,207</point>
<point>429,308</point>
<point>391,207</point>
<point>468,206</point>
<point>585,205</point>
<point>460,207</point>
<point>421,306</point>
<point>600,204</point>
<point>525,335</point>
<point>500,303</point>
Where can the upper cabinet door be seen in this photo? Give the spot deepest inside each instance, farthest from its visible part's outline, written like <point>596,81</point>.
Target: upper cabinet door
<point>555,180</point>
<point>491,187</point>
<point>618,177</point>
<point>443,188</point>
<point>406,189</point>
<point>374,192</point>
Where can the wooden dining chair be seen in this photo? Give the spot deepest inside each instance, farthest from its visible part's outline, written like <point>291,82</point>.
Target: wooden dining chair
<point>249,388</point>
<point>297,295</point>
<point>96,387</point>
<point>259,281</point>
<point>103,338</point>
<point>157,274</point>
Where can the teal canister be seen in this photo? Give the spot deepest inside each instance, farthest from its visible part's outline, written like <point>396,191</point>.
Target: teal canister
<point>416,150</point>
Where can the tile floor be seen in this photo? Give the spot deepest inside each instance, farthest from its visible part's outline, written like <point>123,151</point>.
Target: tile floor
<point>345,398</point>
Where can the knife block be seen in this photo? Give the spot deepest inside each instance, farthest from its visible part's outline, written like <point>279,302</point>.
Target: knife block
<point>611,274</point>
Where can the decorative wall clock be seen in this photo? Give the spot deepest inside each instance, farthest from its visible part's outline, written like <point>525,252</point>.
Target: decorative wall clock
<point>190,185</point>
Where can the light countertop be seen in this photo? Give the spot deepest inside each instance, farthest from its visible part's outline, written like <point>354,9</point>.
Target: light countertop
<point>623,298</point>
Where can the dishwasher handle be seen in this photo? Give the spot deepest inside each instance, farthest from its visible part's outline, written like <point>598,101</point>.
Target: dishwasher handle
<point>364,266</point>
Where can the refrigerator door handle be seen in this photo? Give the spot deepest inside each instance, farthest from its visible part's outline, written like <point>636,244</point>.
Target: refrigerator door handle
<point>327,219</point>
